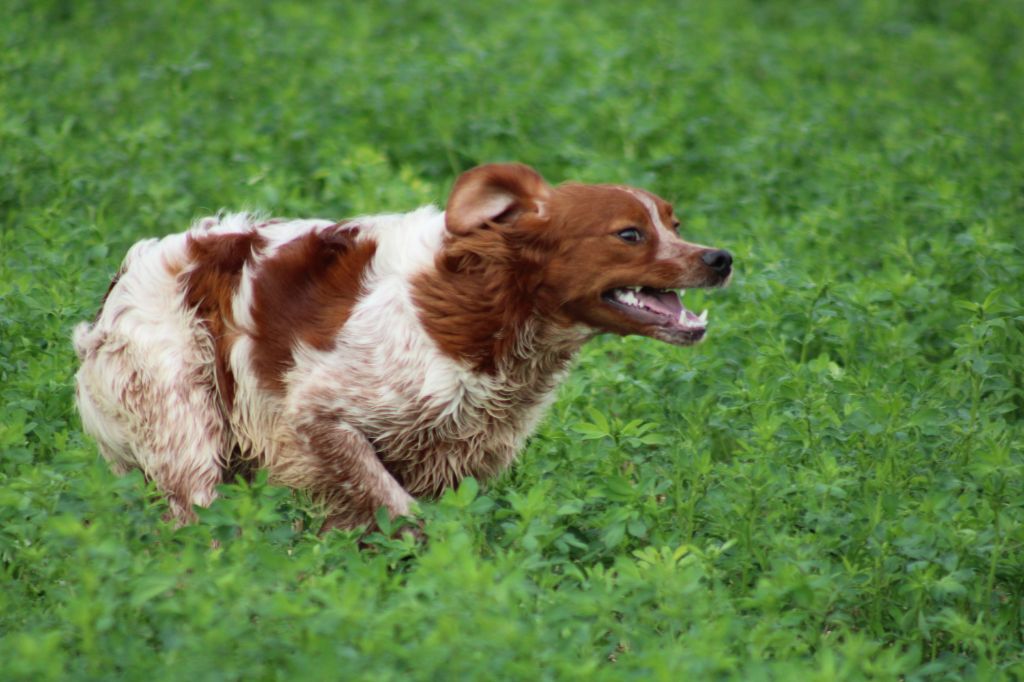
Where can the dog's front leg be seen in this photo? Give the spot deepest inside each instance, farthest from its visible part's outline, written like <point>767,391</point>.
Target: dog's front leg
<point>347,475</point>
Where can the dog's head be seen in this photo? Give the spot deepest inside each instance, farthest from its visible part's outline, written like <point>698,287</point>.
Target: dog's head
<point>603,256</point>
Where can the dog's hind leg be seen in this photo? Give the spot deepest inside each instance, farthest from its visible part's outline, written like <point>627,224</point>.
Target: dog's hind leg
<point>169,425</point>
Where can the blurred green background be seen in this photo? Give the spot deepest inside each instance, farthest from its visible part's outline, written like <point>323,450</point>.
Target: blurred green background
<point>830,487</point>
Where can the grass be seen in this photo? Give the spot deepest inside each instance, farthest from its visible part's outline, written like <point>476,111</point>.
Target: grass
<point>830,488</point>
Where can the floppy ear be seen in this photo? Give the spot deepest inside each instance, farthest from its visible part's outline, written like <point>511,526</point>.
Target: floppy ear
<point>494,194</point>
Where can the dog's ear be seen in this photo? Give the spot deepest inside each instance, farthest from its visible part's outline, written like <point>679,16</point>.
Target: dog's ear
<point>493,195</point>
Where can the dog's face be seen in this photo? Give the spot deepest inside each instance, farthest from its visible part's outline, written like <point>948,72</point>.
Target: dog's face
<point>603,256</point>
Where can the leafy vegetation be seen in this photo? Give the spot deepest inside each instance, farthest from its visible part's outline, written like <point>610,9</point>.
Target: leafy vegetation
<point>830,487</point>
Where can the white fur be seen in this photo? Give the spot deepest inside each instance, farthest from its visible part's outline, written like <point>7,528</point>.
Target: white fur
<point>665,248</point>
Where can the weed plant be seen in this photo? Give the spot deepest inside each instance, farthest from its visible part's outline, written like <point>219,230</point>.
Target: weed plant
<point>829,488</point>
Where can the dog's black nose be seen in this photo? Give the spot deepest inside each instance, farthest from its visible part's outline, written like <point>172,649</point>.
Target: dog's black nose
<point>720,261</point>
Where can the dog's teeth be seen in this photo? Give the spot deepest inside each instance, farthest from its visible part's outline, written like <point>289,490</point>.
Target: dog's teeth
<point>703,315</point>
<point>626,296</point>
<point>682,292</point>
<point>682,316</point>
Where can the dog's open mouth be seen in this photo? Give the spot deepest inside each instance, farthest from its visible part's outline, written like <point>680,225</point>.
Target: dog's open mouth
<point>660,307</point>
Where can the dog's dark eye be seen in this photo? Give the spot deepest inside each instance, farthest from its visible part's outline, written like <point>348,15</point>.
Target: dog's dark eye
<point>630,234</point>
<point>676,225</point>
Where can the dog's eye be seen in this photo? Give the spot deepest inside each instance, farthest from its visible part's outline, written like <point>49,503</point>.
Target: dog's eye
<point>676,225</point>
<point>630,234</point>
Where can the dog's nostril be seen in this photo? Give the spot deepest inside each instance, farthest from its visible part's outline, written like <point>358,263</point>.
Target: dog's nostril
<point>720,260</point>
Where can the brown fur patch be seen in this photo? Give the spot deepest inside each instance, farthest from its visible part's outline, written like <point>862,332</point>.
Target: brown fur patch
<point>209,286</point>
<point>477,298</point>
<point>305,292</point>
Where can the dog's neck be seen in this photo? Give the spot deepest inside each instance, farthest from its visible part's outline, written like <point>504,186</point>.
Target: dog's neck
<point>493,314</point>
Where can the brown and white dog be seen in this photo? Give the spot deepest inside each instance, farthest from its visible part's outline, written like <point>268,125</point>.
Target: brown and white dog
<point>379,359</point>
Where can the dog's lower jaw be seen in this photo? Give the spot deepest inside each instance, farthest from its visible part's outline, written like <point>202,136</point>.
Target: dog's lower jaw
<point>678,337</point>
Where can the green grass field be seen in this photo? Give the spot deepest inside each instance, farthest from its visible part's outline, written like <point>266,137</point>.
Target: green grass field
<point>831,487</point>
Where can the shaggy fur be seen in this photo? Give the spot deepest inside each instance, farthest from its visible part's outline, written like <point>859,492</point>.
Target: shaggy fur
<point>379,359</point>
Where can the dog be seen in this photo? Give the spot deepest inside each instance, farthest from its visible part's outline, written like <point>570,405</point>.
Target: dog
<point>380,359</point>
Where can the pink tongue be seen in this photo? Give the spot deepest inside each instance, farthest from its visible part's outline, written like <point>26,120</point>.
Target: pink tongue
<point>664,302</point>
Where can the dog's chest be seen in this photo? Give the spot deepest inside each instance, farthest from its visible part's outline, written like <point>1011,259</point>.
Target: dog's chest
<point>477,431</point>
<point>432,419</point>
